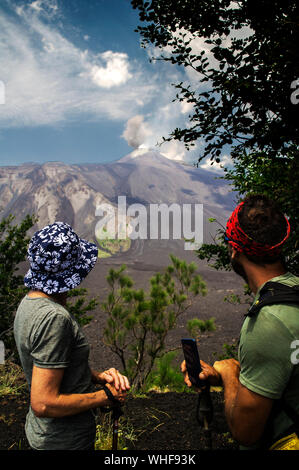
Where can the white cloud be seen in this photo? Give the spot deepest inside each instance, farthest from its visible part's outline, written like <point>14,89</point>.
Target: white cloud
<point>49,80</point>
<point>170,116</point>
<point>174,150</point>
<point>142,135</point>
<point>198,44</point>
<point>143,132</point>
<point>148,130</point>
<point>115,73</point>
<point>186,107</point>
<point>226,161</point>
<point>44,6</point>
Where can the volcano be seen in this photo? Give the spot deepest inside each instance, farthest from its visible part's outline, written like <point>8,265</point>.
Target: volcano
<point>56,191</point>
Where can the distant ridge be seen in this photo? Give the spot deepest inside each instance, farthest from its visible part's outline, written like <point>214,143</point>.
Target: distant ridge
<point>58,191</point>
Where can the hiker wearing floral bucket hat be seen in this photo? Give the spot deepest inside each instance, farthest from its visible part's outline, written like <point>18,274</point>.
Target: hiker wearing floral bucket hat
<point>59,259</point>
<point>53,350</point>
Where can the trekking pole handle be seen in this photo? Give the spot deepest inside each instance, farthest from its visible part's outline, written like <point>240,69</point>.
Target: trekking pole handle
<point>110,396</point>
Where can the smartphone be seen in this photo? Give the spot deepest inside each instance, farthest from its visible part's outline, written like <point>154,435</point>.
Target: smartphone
<point>192,361</point>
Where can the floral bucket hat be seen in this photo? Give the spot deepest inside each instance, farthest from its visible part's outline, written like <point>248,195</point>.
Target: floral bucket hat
<point>59,259</point>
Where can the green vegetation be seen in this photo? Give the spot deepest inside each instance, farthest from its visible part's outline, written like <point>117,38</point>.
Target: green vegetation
<point>104,433</point>
<point>115,245</point>
<point>276,178</point>
<point>111,246</point>
<point>165,375</point>
<point>78,306</point>
<point>234,299</point>
<point>13,249</point>
<point>230,351</point>
<point>196,327</point>
<point>103,254</point>
<point>12,380</point>
<point>108,245</point>
<point>245,57</point>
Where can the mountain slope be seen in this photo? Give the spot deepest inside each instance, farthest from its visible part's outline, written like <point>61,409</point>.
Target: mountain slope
<point>56,191</point>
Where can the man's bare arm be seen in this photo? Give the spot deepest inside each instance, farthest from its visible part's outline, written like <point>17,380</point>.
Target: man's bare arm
<point>246,412</point>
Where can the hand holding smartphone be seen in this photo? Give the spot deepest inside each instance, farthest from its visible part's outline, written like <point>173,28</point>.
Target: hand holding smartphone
<point>192,361</point>
<point>204,412</point>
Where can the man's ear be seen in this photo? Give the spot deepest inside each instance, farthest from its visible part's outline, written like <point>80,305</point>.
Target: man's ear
<point>234,253</point>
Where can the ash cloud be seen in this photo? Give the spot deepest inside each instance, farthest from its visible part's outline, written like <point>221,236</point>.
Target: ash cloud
<point>136,131</point>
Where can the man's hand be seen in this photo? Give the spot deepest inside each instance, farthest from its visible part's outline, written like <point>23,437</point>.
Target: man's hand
<point>246,412</point>
<point>113,377</point>
<point>227,368</point>
<point>208,373</point>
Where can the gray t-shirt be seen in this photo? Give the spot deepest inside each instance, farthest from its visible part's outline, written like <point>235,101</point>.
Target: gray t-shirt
<point>47,336</point>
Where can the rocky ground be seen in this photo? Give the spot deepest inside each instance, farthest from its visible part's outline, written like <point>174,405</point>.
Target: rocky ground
<point>159,421</point>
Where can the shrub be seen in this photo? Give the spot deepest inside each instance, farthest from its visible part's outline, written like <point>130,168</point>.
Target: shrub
<point>138,322</point>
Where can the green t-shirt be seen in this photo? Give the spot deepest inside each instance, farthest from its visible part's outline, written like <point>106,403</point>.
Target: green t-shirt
<point>47,336</point>
<point>266,354</point>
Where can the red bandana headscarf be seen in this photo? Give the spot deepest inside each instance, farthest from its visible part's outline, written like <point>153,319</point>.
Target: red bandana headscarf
<point>238,239</point>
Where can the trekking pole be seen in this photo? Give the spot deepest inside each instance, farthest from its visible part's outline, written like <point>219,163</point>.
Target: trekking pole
<point>116,413</point>
<point>204,414</point>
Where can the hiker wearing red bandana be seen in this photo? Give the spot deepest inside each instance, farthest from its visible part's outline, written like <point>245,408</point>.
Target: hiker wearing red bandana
<point>261,389</point>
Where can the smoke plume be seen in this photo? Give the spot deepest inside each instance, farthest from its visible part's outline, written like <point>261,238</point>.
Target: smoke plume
<point>136,131</point>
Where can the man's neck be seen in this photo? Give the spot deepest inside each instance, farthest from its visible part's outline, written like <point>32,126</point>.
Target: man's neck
<point>258,275</point>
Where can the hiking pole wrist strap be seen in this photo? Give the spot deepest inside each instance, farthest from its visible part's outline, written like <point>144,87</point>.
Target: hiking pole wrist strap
<point>110,396</point>
<point>116,404</point>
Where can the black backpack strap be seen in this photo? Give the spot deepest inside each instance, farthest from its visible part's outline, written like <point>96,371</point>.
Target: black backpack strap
<point>274,293</point>
<point>292,414</point>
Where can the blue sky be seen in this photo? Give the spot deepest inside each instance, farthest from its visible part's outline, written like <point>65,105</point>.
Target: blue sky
<point>78,86</point>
